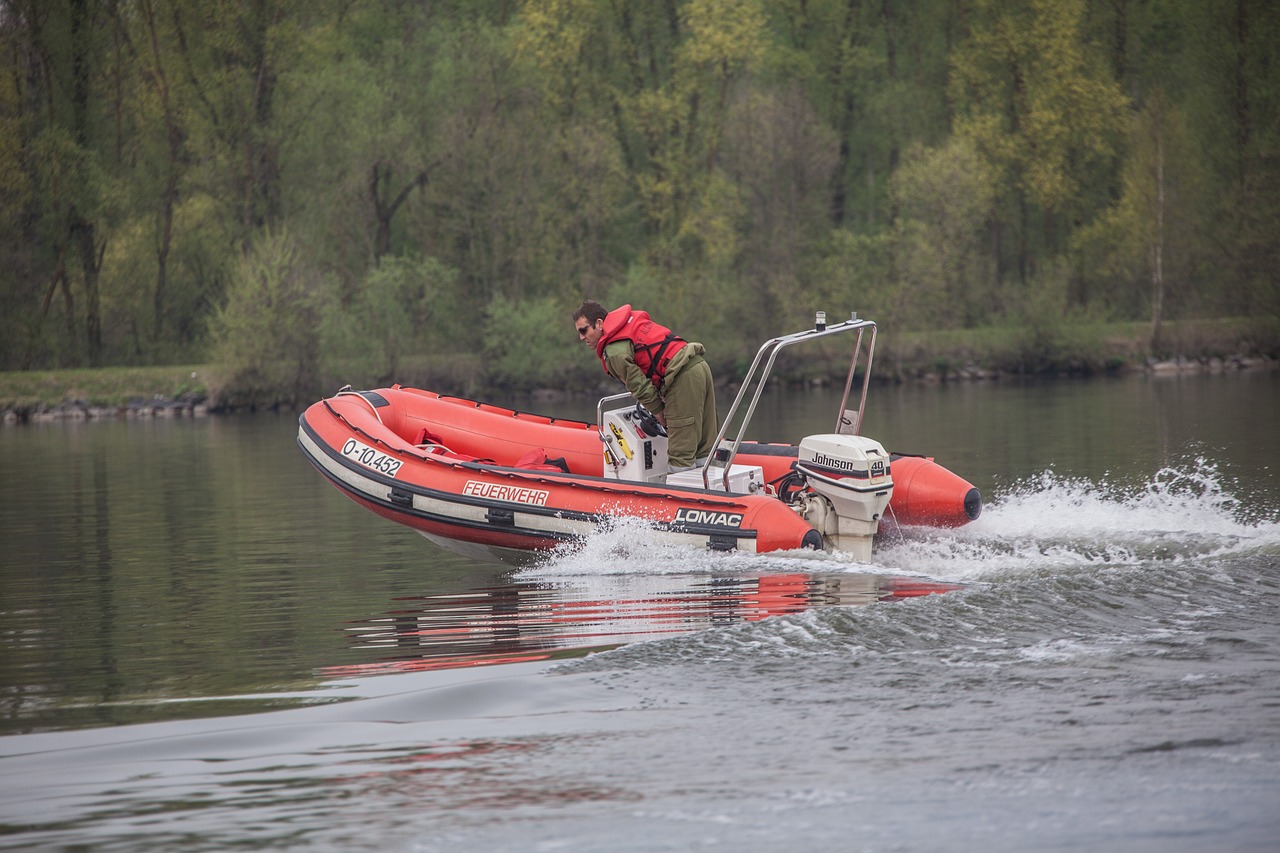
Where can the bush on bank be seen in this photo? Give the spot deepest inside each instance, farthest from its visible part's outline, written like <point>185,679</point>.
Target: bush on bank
<point>535,362</point>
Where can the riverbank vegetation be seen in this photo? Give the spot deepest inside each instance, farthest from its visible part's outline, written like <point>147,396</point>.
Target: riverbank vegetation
<point>288,194</point>
<point>935,356</point>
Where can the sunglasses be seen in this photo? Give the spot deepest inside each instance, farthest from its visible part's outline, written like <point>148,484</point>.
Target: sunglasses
<point>582,331</point>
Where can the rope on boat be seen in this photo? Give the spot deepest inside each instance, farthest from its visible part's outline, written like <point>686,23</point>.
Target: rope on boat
<point>346,391</point>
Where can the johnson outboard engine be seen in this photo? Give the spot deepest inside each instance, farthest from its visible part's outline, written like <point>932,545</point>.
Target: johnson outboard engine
<point>849,488</point>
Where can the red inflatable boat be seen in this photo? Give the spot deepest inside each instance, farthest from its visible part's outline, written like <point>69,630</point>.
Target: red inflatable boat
<point>491,482</point>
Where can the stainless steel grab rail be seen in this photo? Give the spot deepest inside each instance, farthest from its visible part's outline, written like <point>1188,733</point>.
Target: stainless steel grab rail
<point>846,421</point>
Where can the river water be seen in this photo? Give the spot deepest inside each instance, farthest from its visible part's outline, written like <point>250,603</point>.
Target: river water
<point>204,646</point>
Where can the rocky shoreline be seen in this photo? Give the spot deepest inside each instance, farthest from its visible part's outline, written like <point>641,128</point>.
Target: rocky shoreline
<point>1151,367</point>
<point>184,406</point>
<point>196,405</point>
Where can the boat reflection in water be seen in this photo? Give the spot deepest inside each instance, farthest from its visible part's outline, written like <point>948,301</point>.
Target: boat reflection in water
<point>527,621</point>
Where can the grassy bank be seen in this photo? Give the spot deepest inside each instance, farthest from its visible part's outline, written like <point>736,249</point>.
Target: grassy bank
<point>989,353</point>
<point>1058,350</point>
<point>105,386</point>
<point>1083,349</point>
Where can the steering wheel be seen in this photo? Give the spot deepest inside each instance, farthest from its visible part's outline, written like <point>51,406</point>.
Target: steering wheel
<point>647,421</point>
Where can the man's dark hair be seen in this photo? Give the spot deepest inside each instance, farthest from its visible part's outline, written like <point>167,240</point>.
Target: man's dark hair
<point>590,311</point>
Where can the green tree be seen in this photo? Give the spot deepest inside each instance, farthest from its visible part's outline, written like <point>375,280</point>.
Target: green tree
<point>62,118</point>
<point>936,161</point>
<point>1232,95</point>
<point>527,343</point>
<point>943,196</point>
<point>667,73</point>
<point>233,58</point>
<point>876,73</point>
<point>398,300</point>
<point>1145,247</point>
<point>778,160</point>
<point>20,251</point>
<point>362,103</point>
<point>269,336</point>
<point>1038,103</point>
<point>161,72</point>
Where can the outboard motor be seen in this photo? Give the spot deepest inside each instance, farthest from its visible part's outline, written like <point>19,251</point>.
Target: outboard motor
<point>850,486</point>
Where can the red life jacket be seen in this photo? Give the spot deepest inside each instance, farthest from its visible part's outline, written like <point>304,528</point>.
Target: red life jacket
<point>654,345</point>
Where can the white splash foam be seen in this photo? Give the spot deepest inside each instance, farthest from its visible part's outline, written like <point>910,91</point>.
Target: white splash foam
<point>1047,524</point>
<point>629,546</point>
<point>625,546</point>
<point>1051,523</point>
<point>1174,500</point>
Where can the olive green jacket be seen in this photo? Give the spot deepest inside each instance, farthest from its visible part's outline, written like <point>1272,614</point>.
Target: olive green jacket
<point>619,360</point>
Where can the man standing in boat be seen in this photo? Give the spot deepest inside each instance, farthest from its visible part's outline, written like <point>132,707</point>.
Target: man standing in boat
<point>667,374</point>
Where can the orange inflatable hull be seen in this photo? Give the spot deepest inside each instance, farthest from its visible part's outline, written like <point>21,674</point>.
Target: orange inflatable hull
<point>475,477</point>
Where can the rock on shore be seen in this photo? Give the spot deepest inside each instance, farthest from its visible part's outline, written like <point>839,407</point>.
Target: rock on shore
<point>186,405</point>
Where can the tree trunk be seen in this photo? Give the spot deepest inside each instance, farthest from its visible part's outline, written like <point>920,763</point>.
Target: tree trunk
<point>82,230</point>
<point>83,235</point>
<point>162,253</point>
<point>168,201</point>
<point>845,123</point>
<point>57,281</point>
<point>1157,251</point>
<point>383,210</point>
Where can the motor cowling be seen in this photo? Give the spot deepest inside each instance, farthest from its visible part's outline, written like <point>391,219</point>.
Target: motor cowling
<point>850,484</point>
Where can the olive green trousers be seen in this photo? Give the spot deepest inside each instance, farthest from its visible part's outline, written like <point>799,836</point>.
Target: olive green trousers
<point>689,405</point>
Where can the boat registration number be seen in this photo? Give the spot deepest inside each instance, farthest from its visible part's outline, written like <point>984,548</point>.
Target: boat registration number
<point>370,458</point>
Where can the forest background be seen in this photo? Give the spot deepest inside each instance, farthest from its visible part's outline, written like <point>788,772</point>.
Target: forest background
<point>304,193</point>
